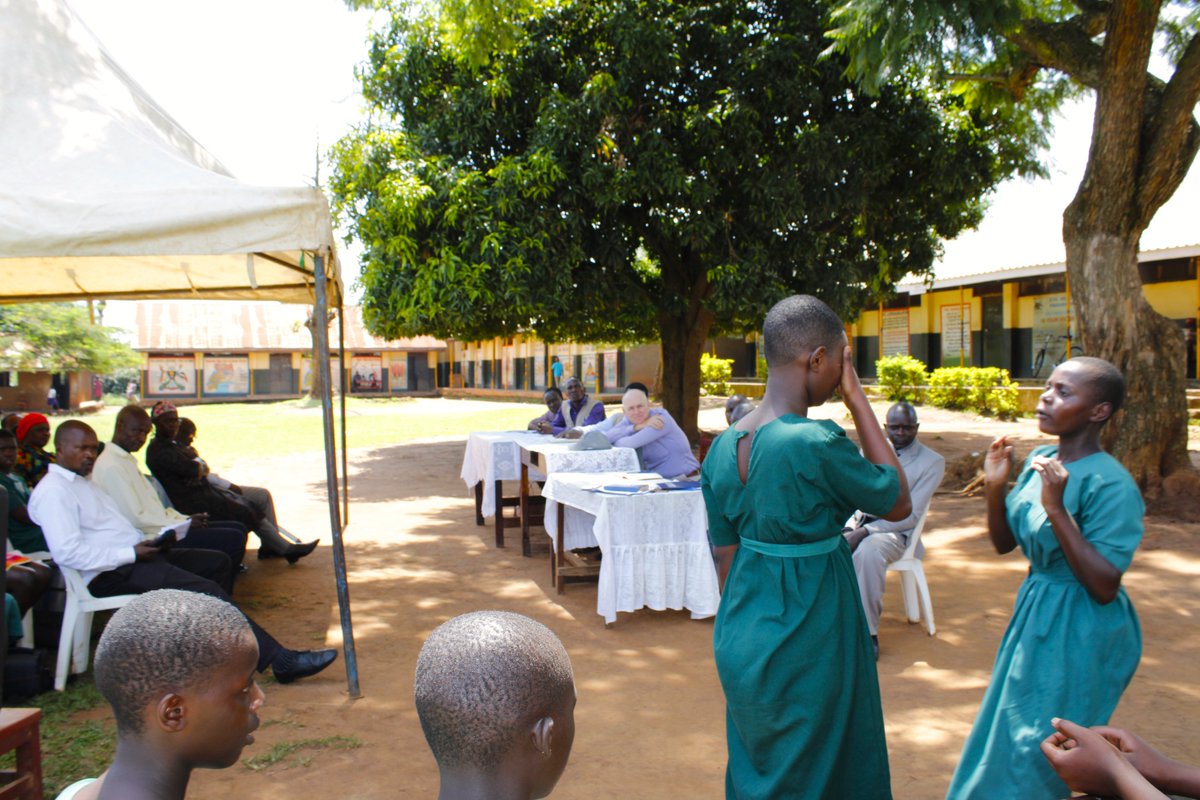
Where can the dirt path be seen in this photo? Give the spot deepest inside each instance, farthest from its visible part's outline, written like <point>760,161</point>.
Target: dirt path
<point>650,718</point>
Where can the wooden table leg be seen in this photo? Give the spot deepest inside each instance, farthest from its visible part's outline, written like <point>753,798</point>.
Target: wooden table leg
<point>525,549</point>
<point>499,514</point>
<point>479,503</point>
<point>19,731</point>
<point>556,558</point>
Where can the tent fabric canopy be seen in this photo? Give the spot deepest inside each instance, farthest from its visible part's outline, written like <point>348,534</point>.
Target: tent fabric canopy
<point>103,194</point>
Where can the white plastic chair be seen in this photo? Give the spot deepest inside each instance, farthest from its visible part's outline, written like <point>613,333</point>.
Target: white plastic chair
<point>74,643</point>
<point>912,579</point>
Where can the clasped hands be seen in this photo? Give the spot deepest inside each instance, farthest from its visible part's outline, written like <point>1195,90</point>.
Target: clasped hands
<point>1105,761</point>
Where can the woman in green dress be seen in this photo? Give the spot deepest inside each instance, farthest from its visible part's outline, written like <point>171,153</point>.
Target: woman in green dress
<point>1073,642</point>
<point>803,716</point>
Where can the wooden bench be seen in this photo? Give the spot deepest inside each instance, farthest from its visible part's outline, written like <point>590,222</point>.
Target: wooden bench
<point>20,731</point>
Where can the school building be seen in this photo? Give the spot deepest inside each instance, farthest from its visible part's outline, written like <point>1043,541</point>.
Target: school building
<point>212,351</point>
<point>1018,318</point>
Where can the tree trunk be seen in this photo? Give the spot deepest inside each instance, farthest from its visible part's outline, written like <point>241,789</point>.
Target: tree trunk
<point>683,338</point>
<point>1140,153</point>
<point>1150,435</point>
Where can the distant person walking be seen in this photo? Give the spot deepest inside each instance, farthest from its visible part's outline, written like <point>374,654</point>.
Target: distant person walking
<point>131,392</point>
<point>556,371</point>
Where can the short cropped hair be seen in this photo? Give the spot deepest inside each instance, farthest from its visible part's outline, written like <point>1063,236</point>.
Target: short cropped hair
<point>907,408</point>
<point>128,413</point>
<point>553,390</point>
<point>637,385</point>
<point>797,325</point>
<point>1107,381</point>
<point>481,678</point>
<point>70,425</point>
<point>185,426</point>
<point>163,641</point>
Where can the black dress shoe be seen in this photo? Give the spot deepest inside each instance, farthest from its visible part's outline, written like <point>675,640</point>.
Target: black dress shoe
<point>295,552</point>
<point>292,665</point>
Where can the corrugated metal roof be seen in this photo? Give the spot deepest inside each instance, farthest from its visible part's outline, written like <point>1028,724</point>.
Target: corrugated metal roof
<point>216,326</point>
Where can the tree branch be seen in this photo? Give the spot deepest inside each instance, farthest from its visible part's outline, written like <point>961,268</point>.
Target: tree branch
<point>1065,46</point>
<point>1172,136</point>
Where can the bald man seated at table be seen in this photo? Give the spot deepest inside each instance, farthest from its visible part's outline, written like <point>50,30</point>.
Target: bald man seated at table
<point>664,450</point>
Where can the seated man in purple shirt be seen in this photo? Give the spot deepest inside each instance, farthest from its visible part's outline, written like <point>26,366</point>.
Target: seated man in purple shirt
<point>554,400</point>
<point>663,450</point>
<point>578,410</point>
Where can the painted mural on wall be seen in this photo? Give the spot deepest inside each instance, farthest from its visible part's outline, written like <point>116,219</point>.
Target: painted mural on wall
<point>1052,324</point>
<point>171,376</point>
<point>335,374</point>
<point>226,375</point>
<point>366,374</point>
<point>398,372</point>
<point>610,370</point>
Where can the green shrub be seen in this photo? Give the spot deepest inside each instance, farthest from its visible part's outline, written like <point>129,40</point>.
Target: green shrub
<point>901,377</point>
<point>985,390</point>
<point>715,374</point>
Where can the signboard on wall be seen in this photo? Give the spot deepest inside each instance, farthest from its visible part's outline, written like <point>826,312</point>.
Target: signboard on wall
<point>171,376</point>
<point>893,337</point>
<point>956,335</point>
<point>1051,319</point>
<point>226,375</point>
<point>398,372</point>
<point>507,365</point>
<point>335,372</point>
<point>610,369</point>
<point>366,374</point>
<point>590,376</point>
<point>539,368</point>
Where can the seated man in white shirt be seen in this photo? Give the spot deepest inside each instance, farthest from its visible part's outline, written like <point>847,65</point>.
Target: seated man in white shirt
<point>87,532</point>
<point>875,543</point>
<point>117,473</point>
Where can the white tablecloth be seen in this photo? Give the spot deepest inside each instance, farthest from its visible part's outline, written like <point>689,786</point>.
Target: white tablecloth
<point>655,546</point>
<point>558,457</point>
<point>496,456</point>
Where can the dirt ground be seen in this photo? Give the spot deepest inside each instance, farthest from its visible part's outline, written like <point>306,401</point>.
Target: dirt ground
<point>650,718</point>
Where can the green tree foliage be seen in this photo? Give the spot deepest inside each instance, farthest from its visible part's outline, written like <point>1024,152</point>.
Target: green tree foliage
<point>626,170</point>
<point>59,337</point>
<point>1014,61</point>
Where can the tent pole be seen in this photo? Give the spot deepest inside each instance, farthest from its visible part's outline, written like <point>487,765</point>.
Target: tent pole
<point>345,456</point>
<point>321,328</point>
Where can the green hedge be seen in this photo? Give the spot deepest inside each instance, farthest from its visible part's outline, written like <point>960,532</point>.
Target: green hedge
<point>715,374</point>
<point>901,377</point>
<point>986,390</point>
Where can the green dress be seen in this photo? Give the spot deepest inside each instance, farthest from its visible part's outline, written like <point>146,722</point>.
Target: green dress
<point>803,716</point>
<point>1064,654</point>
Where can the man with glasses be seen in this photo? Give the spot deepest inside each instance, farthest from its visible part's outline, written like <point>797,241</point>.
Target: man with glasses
<point>875,543</point>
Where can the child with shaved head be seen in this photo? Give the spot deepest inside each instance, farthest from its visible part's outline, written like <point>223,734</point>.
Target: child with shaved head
<point>496,698</point>
<point>178,670</point>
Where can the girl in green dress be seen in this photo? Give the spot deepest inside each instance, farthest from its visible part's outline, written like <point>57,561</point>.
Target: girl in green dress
<point>803,716</point>
<point>1073,642</point>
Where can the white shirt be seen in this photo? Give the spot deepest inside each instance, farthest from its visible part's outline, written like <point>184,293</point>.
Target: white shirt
<point>117,473</point>
<point>83,526</point>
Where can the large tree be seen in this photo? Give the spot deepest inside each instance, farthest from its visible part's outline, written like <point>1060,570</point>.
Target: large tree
<point>59,337</point>
<point>627,170</point>
<point>1018,59</point>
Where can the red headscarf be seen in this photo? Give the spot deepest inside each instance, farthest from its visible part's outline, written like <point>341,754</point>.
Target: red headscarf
<point>27,422</point>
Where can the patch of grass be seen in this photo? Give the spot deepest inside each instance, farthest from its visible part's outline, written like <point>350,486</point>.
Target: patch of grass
<point>72,748</point>
<point>282,750</point>
<point>228,431</point>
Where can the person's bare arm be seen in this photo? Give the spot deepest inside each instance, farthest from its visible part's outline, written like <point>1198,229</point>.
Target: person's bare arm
<point>1167,775</point>
<point>997,466</point>
<point>1098,576</point>
<point>1087,762</point>
<point>875,446</point>
<point>724,555</point>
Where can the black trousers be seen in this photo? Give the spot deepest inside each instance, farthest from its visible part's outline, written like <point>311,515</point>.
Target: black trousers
<point>226,537</point>
<point>191,570</point>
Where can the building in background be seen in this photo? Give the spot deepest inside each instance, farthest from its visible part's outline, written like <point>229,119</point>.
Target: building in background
<point>198,351</point>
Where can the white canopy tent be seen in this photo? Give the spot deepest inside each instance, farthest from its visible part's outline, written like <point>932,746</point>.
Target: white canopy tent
<point>103,195</point>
